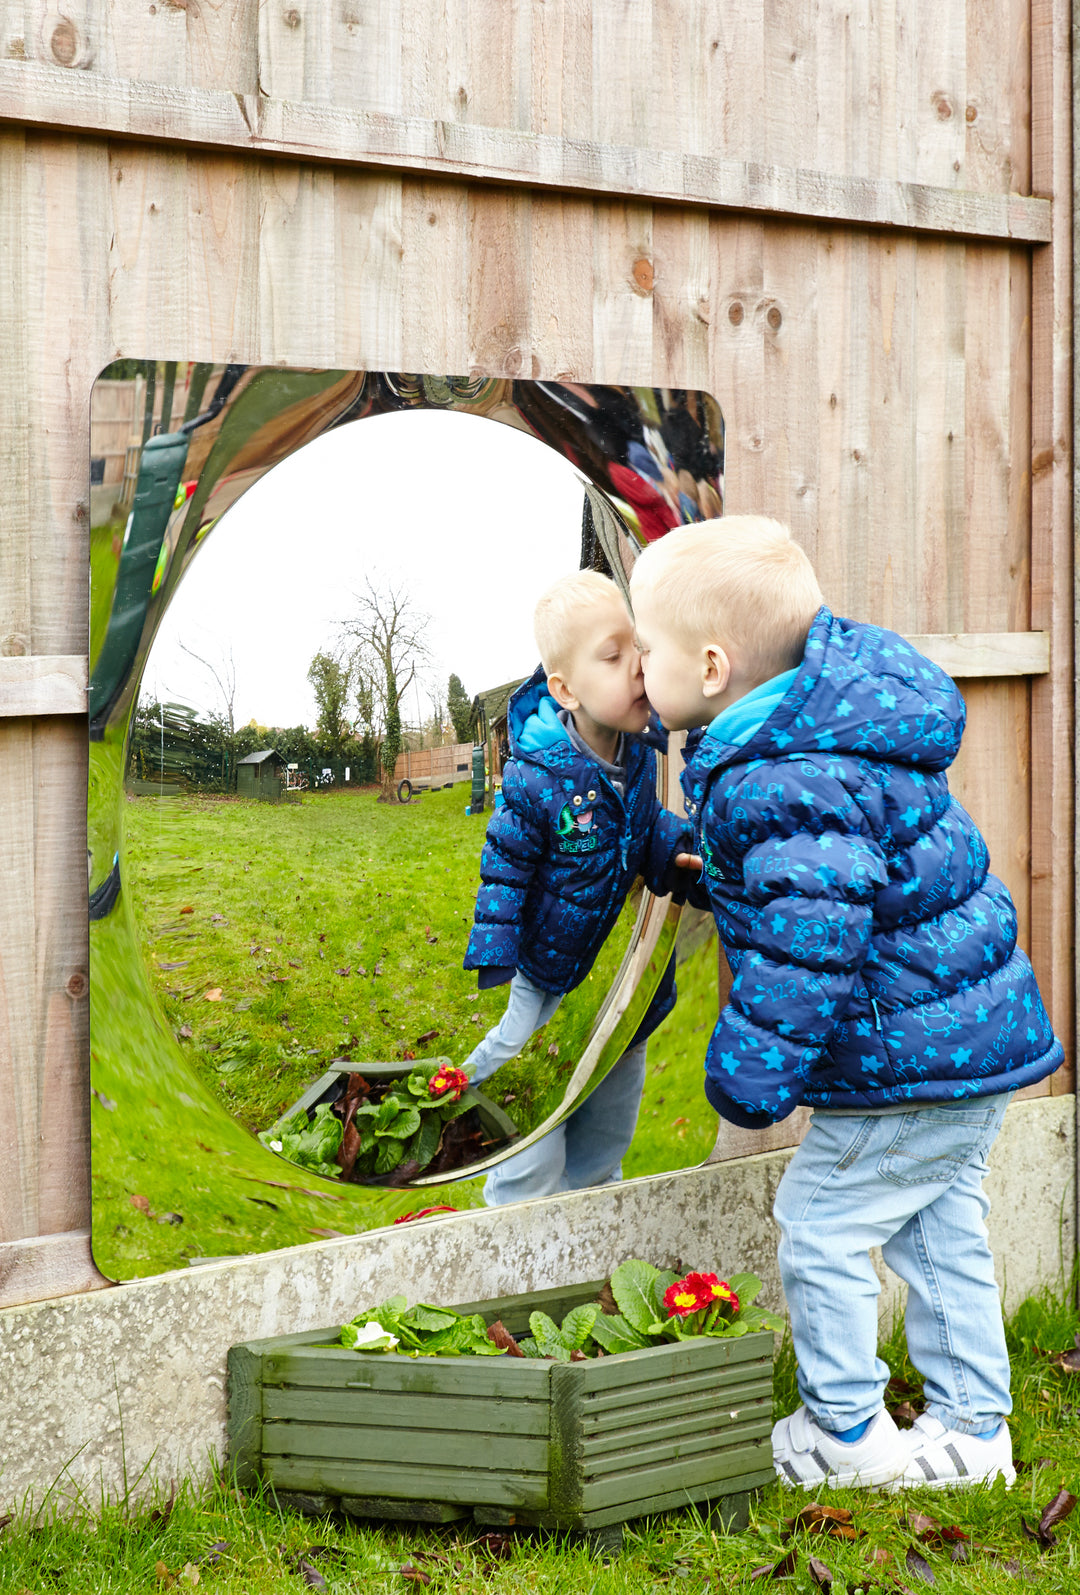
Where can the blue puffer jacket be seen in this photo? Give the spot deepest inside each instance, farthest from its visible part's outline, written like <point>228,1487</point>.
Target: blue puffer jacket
<point>563,851</point>
<point>875,958</point>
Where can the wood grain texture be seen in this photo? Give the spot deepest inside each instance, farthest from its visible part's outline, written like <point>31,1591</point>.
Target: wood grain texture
<point>1052,536</point>
<point>48,1266</point>
<point>933,91</point>
<point>49,685</point>
<point>244,122</point>
<point>356,190</point>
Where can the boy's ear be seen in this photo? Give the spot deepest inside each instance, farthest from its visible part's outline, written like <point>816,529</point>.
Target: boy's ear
<point>560,691</point>
<point>715,670</point>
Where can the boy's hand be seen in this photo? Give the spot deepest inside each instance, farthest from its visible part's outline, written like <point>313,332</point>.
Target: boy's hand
<point>689,861</point>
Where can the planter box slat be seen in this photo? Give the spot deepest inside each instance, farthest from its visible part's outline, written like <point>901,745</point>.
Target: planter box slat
<point>669,1363</point>
<point>567,1446</point>
<point>458,1414</point>
<point>444,1376</point>
<point>467,1487</point>
<point>638,1403</point>
<point>512,1453</point>
<point>670,1448</point>
<point>693,1474</point>
<point>628,1442</point>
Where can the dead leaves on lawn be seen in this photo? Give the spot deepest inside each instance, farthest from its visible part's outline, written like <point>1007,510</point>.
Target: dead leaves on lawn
<point>904,1572</point>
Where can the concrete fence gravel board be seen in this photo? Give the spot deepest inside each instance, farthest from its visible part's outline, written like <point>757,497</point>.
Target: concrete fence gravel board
<point>154,1351</point>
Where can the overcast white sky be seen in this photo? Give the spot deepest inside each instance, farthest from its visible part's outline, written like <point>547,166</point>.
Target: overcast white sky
<point>475,517</point>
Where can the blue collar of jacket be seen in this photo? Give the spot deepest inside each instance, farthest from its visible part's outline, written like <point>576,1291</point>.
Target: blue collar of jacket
<point>536,732</point>
<point>737,723</point>
<point>860,691</point>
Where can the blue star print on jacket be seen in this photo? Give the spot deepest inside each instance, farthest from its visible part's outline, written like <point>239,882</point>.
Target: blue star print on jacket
<point>563,851</point>
<point>874,956</point>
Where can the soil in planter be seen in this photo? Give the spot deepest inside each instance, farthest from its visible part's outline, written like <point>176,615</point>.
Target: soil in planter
<point>464,1140</point>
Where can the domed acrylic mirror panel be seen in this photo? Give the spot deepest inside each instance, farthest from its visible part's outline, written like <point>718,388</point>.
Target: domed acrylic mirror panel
<point>274,936</point>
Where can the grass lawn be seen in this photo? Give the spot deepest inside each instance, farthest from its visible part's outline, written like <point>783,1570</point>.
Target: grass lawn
<point>236,1544</point>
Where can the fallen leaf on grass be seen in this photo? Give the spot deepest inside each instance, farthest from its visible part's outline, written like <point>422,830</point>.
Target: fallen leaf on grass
<point>142,1203</point>
<point>474,1018</point>
<point>185,1033</point>
<point>187,909</point>
<point>781,1569</point>
<point>904,1414</point>
<point>413,1574</point>
<point>161,1514</point>
<point>169,1218</point>
<point>294,963</point>
<point>181,964</point>
<point>106,1102</point>
<point>1033,1465</point>
<point>213,1553</point>
<point>5,1519</point>
<point>820,1575</point>
<point>309,1573</point>
<point>328,1234</point>
<point>429,1035</point>
<point>494,1546</point>
<point>1055,1512</point>
<point>817,1519</point>
<point>213,995</point>
<point>346,969</point>
<point>919,1567</point>
<point>377,970</point>
<point>163,1575</point>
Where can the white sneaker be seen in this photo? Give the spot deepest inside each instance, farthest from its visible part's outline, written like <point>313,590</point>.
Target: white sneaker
<point>939,1457</point>
<point>806,1455</point>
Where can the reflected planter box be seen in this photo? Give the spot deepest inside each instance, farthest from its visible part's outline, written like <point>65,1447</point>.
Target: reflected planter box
<point>497,1129</point>
<point>566,1446</point>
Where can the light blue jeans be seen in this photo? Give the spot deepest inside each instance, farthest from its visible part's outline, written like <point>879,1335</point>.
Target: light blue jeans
<point>587,1148</point>
<point>910,1183</point>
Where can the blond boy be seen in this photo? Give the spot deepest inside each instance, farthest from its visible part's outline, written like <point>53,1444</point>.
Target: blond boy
<point>876,979</point>
<point>579,822</point>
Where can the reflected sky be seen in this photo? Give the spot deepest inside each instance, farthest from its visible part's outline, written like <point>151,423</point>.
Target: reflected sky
<point>395,498</point>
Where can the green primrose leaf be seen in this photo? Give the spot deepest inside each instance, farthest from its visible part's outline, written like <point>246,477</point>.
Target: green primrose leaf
<point>404,1125</point>
<point>454,1110</point>
<point>632,1287</point>
<point>614,1334</point>
<point>747,1287</point>
<point>425,1143</point>
<point>424,1317</point>
<point>528,1347</point>
<point>547,1336</point>
<point>663,1282</point>
<point>389,1155</point>
<point>577,1325</point>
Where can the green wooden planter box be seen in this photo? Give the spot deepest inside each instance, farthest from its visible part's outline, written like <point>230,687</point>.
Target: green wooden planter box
<point>566,1446</point>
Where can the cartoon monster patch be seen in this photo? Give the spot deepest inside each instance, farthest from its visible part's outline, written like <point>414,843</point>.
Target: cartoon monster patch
<point>576,830</point>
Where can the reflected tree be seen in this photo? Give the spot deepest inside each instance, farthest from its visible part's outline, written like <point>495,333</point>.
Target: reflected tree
<point>330,676</point>
<point>459,705</point>
<point>388,633</point>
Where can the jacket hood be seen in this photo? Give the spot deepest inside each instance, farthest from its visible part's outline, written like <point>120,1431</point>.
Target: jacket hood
<point>859,691</point>
<point>535,730</point>
<point>532,718</point>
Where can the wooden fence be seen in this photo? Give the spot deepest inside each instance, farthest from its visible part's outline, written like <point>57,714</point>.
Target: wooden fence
<point>852,226</point>
<point>435,766</point>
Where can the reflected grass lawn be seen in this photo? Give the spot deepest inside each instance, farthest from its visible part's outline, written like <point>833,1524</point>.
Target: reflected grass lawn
<point>284,936</point>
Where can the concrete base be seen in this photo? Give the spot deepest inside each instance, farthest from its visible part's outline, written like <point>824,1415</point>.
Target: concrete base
<point>152,1354</point>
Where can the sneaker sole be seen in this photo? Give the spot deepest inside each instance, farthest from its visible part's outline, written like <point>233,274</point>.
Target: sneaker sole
<point>956,1481</point>
<point>865,1479</point>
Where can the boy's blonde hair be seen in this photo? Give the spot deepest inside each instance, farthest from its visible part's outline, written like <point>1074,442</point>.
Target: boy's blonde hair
<point>561,611</point>
<point>742,582</point>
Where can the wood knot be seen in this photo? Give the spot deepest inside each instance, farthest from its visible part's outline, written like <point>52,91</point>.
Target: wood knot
<point>13,646</point>
<point>78,985</point>
<point>832,401</point>
<point>943,106</point>
<point>643,274</point>
<point>292,18</point>
<point>64,43</point>
<point>735,312</point>
<point>971,113</point>
<point>774,318</point>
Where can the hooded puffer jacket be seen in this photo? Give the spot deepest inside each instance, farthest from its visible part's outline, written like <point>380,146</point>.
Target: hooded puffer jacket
<point>563,851</point>
<point>874,956</point>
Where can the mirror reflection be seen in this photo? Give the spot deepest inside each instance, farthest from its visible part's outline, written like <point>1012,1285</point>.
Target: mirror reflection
<point>296,749</point>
